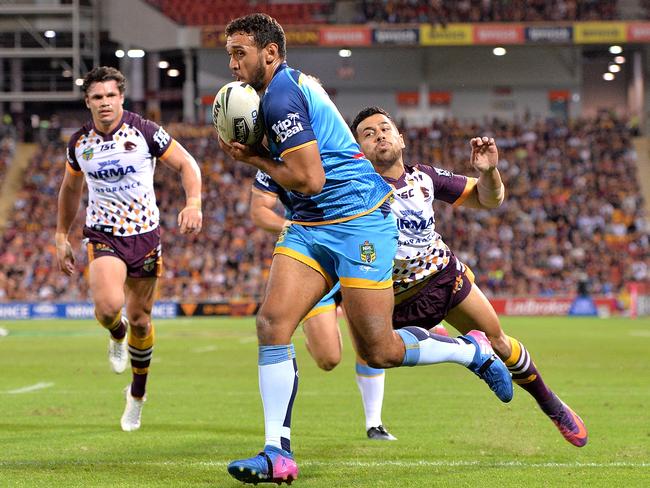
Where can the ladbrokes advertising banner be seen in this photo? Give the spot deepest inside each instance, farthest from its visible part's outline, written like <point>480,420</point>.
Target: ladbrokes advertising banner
<point>546,306</point>
<point>234,308</point>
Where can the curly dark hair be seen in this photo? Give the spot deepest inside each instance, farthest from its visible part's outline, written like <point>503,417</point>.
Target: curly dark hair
<point>101,74</point>
<point>264,29</point>
<point>364,114</point>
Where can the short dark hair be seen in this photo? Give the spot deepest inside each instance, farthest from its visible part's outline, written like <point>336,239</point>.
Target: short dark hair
<point>264,29</point>
<point>101,74</point>
<point>364,114</point>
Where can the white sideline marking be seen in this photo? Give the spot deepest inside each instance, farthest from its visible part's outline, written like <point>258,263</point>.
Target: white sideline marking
<point>27,389</point>
<point>640,333</point>
<point>351,464</point>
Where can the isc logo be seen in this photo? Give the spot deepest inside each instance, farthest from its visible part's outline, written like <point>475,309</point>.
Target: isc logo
<point>106,147</point>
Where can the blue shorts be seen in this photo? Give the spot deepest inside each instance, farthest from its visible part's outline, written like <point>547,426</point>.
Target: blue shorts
<point>358,253</point>
<point>327,303</point>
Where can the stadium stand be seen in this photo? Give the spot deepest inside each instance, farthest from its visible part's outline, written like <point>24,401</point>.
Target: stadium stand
<point>439,12</point>
<point>220,12</point>
<point>573,213</point>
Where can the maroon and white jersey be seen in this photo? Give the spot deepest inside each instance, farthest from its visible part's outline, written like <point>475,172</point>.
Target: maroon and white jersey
<point>421,252</point>
<point>119,168</point>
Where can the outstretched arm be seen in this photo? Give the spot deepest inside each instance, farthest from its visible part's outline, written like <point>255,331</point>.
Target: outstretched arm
<point>190,219</point>
<point>489,190</point>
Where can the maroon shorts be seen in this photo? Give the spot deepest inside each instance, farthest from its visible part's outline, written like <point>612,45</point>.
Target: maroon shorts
<point>141,253</point>
<point>431,303</point>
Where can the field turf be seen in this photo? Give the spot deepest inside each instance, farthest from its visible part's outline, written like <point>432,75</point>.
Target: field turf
<point>60,407</point>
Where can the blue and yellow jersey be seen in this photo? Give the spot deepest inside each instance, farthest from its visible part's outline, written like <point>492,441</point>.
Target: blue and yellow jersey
<point>298,112</point>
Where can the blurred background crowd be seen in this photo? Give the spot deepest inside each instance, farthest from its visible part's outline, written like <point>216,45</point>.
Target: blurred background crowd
<point>573,216</point>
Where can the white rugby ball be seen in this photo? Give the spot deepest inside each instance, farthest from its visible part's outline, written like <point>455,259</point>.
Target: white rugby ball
<point>235,113</point>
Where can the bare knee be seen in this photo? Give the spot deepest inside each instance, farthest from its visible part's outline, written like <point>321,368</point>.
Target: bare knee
<point>107,310</point>
<point>380,358</point>
<point>328,361</point>
<point>140,324</point>
<point>270,329</point>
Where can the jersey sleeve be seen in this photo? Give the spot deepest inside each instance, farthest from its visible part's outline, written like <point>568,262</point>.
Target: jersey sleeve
<point>447,186</point>
<point>286,114</point>
<point>264,183</point>
<point>158,140</point>
<point>71,159</point>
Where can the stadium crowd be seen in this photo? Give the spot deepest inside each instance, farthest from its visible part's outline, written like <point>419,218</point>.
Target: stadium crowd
<point>441,12</point>
<point>573,214</point>
<point>7,147</point>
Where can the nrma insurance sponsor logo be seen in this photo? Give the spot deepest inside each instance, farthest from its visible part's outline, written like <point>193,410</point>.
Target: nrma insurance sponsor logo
<point>111,171</point>
<point>414,220</point>
<point>286,128</point>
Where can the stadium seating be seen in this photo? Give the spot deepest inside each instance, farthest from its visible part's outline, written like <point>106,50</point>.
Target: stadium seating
<point>437,11</point>
<point>220,12</point>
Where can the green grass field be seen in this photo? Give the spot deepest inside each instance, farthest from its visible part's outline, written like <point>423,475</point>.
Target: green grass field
<point>204,410</point>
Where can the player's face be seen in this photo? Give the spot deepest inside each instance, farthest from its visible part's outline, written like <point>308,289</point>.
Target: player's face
<point>247,60</point>
<point>380,140</point>
<point>105,103</point>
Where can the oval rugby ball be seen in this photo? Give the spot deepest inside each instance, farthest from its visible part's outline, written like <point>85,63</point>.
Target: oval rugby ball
<point>235,113</point>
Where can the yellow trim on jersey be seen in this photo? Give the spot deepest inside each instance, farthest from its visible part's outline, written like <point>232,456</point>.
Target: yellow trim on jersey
<point>312,263</point>
<point>469,186</point>
<point>363,283</point>
<point>515,355</point>
<point>73,171</point>
<point>299,146</point>
<point>254,189</point>
<point>165,154</point>
<point>318,310</point>
<point>344,219</point>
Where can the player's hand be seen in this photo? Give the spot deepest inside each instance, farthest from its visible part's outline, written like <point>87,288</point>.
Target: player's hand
<point>484,153</point>
<point>239,152</point>
<point>190,220</point>
<point>65,257</point>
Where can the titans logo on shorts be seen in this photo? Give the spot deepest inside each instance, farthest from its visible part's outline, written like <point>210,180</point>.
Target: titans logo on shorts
<point>358,253</point>
<point>297,113</point>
